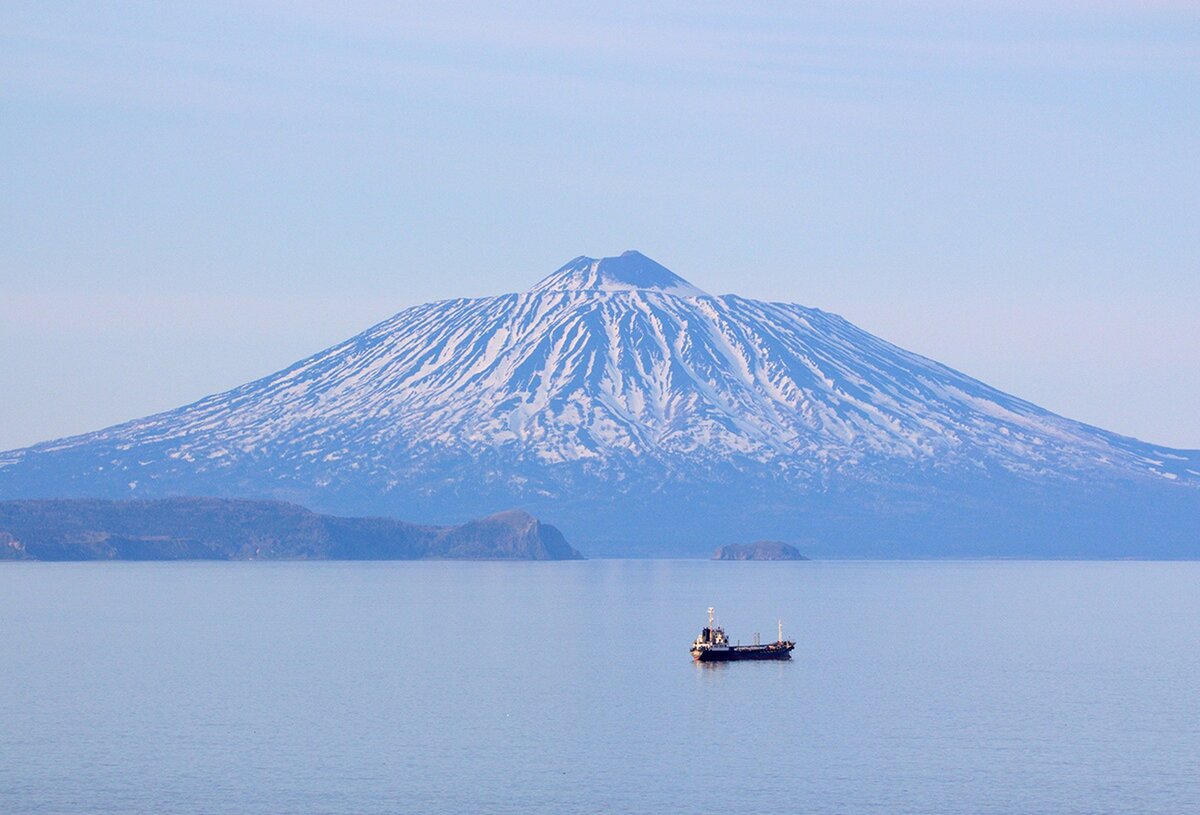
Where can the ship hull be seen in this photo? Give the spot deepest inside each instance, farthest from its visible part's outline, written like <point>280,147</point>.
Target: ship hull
<point>738,653</point>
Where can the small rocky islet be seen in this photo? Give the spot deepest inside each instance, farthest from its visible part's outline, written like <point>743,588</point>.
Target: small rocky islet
<point>759,550</point>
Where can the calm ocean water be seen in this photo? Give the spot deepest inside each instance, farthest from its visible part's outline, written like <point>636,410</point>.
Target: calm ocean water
<point>992,687</point>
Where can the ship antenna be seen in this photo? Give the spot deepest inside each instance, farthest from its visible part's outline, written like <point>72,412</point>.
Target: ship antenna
<point>710,616</point>
<point>781,629</point>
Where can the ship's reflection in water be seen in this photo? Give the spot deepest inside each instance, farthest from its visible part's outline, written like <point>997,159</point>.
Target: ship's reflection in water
<point>768,677</point>
<point>753,665</point>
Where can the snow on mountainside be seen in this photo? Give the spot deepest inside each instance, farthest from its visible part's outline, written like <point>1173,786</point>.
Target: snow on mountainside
<point>617,394</point>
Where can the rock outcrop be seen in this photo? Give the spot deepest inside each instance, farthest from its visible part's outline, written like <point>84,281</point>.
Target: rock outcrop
<point>759,550</point>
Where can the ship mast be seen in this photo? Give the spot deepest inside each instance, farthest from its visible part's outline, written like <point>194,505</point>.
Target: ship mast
<point>710,616</point>
<point>781,630</point>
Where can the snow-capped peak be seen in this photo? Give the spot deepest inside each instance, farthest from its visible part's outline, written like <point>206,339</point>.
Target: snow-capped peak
<point>619,400</point>
<point>629,271</point>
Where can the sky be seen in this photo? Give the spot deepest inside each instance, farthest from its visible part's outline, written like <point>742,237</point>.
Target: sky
<point>198,194</point>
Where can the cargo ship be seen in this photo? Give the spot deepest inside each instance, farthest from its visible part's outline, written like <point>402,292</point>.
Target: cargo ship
<point>713,646</point>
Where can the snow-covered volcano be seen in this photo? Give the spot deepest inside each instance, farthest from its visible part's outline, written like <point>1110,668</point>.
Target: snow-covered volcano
<point>639,413</point>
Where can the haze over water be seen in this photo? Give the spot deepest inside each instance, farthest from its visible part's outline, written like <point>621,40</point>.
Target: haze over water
<point>442,687</point>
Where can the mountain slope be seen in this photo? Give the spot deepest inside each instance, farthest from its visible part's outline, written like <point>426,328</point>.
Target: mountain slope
<point>644,415</point>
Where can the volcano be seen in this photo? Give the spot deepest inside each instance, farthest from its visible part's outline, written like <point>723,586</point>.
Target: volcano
<point>643,416</point>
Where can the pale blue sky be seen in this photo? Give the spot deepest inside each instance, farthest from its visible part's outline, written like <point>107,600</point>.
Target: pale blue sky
<point>196,194</point>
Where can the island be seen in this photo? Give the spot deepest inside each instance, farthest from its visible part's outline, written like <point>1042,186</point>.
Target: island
<point>759,550</point>
<point>230,529</point>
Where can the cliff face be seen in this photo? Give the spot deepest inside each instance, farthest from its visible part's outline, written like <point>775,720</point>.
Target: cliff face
<point>760,550</point>
<point>219,529</point>
<point>514,534</point>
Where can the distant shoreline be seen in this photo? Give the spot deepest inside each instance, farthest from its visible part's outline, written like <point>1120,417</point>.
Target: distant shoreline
<point>216,529</point>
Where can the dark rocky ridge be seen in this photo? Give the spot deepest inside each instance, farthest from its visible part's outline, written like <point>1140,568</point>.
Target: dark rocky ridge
<point>226,529</point>
<point>759,550</point>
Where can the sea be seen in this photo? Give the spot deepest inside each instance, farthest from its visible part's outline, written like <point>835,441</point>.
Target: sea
<point>352,688</point>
